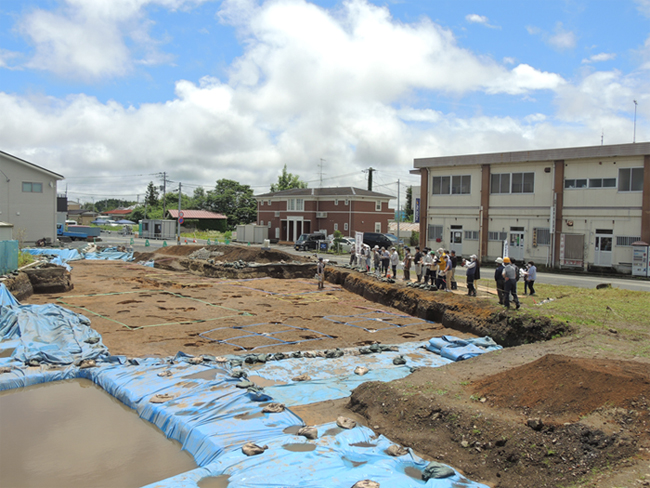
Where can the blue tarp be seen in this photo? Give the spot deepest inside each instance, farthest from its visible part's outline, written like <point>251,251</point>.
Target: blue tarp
<point>335,378</point>
<point>63,256</point>
<point>50,334</point>
<point>201,406</point>
<point>6,298</point>
<point>457,349</point>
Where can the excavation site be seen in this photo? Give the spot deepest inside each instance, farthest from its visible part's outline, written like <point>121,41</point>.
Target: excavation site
<point>226,366</point>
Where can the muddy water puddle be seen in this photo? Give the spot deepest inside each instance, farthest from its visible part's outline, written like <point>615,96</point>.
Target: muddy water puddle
<point>263,382</point>
<point>73,433</point>
<point>299,447</point>
<point>215,482</point>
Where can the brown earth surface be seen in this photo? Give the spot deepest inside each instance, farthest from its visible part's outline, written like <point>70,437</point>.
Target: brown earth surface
<point>571,411</point>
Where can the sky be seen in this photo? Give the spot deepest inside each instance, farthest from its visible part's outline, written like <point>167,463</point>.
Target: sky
<point>113,93</point>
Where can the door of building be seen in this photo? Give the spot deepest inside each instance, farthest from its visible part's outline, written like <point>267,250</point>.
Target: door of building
<point>456,239</point>
<point>603,248</point>
<point>516,244</point>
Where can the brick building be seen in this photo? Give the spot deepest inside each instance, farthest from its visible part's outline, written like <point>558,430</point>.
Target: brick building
<point>289,213</point>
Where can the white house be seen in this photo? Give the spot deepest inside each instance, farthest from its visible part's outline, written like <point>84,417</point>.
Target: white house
<point>28,198</point>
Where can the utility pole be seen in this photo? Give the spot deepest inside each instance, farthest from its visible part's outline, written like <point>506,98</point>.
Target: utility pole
<point>164,191</point>
<point>179,212</point>
<point>320,166</point>
<point>399,214</point>
<point>634,138</point>
<point>370,170</point>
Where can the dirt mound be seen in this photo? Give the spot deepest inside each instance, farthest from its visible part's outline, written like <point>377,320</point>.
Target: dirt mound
<point>230,253</point>
<point>254,254</point>
<point>564,389</point>
<point>177,250</point>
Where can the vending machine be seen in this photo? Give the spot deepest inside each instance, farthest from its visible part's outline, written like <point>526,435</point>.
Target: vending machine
<point>641,259</point>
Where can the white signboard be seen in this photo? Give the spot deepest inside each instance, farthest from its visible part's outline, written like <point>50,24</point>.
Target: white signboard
<point>358,241</point>
<point>506,248</point>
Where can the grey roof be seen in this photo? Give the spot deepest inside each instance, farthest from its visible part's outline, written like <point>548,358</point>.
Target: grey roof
<point>616,150</point>
<point>339,191</point>
<point>32,165</point>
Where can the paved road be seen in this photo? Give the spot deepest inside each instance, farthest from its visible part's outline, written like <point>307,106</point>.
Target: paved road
<point>581,281</point>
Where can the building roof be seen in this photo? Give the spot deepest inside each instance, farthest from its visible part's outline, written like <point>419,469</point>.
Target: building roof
<point>615,150</point>
<point>196,214</point>
<point>119,211</point>
<point>339,191</point>
<point>32,165</point>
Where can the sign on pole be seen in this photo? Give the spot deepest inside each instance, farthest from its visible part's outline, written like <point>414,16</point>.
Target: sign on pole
<point>506,248</point>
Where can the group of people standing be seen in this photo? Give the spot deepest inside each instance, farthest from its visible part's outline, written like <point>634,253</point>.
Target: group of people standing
<point>507,274</point>
<point>380,260</point>
<point>439,269</point>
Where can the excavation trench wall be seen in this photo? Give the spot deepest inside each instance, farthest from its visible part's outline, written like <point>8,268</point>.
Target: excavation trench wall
<point>276,270</point>
<point>459,312</point>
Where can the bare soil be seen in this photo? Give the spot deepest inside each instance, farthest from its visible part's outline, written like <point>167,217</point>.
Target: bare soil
<point>559,406</point>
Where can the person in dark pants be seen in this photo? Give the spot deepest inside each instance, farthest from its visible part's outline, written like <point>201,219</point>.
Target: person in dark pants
<point>498,277</point>
<point>454,263</point>
<point>530,277</point>
<point>472,271</point>
<point>510,277</point>
<point>417,260</point>
<point>385,260</point>
<point>407,264</point>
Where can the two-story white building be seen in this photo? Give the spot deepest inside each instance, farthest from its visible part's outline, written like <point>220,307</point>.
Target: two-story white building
<point>28,199</point>
<point>569,207</point>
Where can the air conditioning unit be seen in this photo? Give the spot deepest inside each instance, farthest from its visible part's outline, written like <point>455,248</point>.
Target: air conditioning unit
<point>277,214</point>
<point>321,215</point>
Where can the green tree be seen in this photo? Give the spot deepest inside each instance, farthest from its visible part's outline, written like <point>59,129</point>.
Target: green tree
<point>233,200</point>
<point>199,199</point>
<point>409,204</point>
<point>287,181</point>
<point>171,201</point>
<point>111,204</point>
<point>151,197</point>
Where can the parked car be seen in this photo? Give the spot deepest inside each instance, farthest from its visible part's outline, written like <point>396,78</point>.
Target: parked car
<point>347,243</point>
<point>376,239</point>
<point>393,238</point>
<point>310,241</point>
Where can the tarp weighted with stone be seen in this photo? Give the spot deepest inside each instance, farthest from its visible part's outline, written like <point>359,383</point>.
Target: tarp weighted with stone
<point>196,401</point>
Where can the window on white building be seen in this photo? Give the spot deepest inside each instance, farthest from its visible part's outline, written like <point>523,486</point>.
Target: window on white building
<point>435,232</point>
<point>626,240</point>
<point>471,235</point>
<point>512,183</point>
<point>629,179</point>
<point>377,226</point>
<point>451,185</point>
<point>29,187</point>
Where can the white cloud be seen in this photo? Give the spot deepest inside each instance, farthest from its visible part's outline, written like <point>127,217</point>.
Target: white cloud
<point>480,19</point>
<point>349,86</point>
<point>644,7</point>
<point>598,58</point>
<point>88,40</point>
<point>562,39</point>
<point>6,57</point>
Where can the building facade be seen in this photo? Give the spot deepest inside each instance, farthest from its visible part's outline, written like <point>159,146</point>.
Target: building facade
<point>289,213</point>
<point>577,207</point>
<point>28,199</point>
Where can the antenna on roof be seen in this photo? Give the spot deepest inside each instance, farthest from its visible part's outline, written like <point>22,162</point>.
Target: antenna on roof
<point>602,137</point>
<point>320,171</point>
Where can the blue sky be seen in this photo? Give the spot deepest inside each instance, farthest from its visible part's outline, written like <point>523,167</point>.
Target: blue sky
<point>110,93</point>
